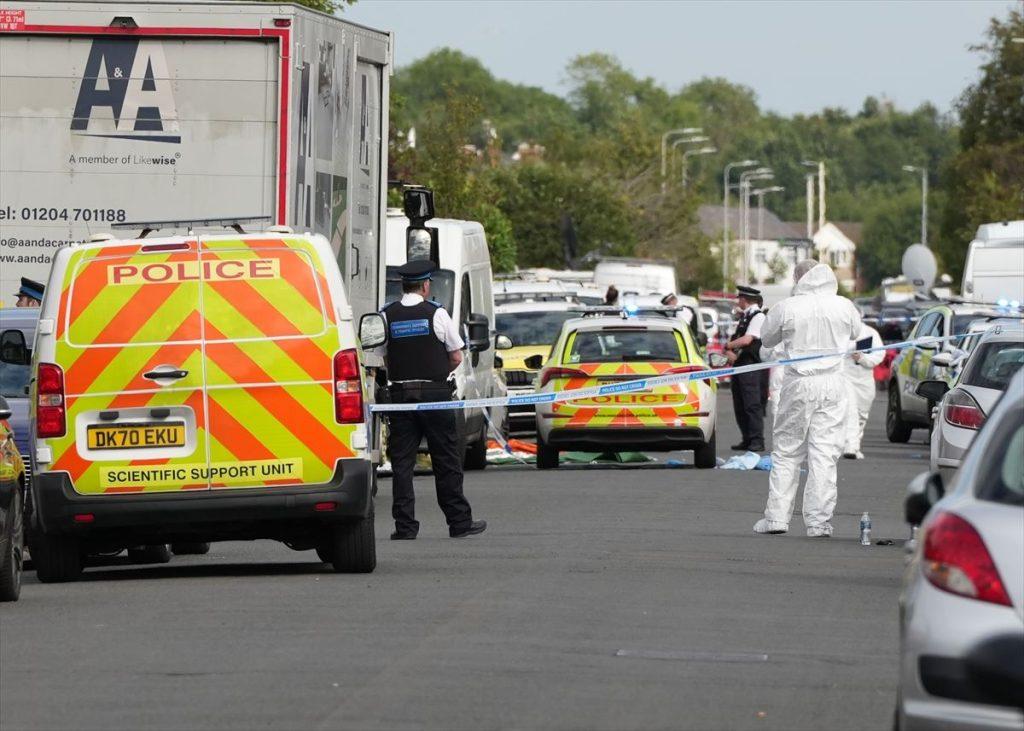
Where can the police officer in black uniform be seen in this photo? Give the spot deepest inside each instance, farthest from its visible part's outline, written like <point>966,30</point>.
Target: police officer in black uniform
<point>424,347</point>
<point>748,391</point>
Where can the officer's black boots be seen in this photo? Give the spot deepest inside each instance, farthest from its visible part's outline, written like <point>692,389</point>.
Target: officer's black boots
<point>474,528</point>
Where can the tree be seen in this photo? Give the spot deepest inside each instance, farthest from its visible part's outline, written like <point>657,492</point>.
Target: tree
<point>986,179</point>
<point>889,229</point>
<point>331,7</point>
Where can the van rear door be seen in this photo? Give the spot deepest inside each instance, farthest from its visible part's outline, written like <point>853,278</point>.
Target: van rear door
<point>271,339</point>
<point>129,344</point>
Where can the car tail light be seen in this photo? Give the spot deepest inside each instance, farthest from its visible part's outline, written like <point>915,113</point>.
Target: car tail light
<point>956,560</point>
<point>549,374</point>
<point>348,388</point>
<point>51,418</point>
<point>962,410</point>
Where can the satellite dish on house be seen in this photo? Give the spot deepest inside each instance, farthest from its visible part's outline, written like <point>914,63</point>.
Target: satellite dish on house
<point>920,267</point>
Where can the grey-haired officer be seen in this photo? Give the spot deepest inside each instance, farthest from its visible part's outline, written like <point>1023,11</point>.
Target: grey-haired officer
<point>424,347</point>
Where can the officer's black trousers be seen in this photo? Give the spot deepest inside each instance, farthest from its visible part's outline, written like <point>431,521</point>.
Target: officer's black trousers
<point>748,405</point>
<point>407,428</point>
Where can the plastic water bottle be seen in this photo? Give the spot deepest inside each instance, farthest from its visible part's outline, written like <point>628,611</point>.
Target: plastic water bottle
<point>865,530</point>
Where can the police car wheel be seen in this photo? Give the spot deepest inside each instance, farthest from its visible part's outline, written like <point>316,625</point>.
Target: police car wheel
<point>705,457</point>
<point>190,548</point>
<point>158,553</point>
<point>13,553</point>
<point>351,547</point>
<point>897,430</point>
<point>547,457</point>
<point>55,558</point>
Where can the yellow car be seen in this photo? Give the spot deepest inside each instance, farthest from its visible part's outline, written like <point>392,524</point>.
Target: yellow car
<point>604,350</point>
<point>531,328</point>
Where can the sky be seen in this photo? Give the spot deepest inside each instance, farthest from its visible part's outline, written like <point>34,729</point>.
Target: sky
<point>798,56</point>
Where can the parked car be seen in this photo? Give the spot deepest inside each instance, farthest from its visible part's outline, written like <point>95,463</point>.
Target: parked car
<point>12,507</point>
<point>962,411</point>
<point>906,410</point>
<point>962,604</point>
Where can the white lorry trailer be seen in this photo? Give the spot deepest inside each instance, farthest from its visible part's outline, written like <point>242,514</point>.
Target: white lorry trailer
<point>119,112</point>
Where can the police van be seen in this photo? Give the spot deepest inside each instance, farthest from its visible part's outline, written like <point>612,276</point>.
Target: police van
<point>199,388</point>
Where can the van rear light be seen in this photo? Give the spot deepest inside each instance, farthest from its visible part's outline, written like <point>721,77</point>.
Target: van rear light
<point>348,388</point>
<point>956,560</point>
<point>962,410</point>
<point>51,418</point>
<point>84,518</point>
<point>549,374</point>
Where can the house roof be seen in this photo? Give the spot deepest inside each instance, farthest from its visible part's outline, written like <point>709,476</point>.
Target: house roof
<point>710,221</point>
<point>853,230</point>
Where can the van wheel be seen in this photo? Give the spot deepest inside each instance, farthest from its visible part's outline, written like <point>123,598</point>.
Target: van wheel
<point>351,547</point>
<point>476,454</point>
<point>705,457</point>
<point>190,548</point>
<point>55,558</point>
<point>897,430</point>
<point>547,457</point>
<point>13,554</point>
<point>158,553</point>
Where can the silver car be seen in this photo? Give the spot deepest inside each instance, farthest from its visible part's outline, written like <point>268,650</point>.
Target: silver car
<point>962,605</point>
<point>961,411</point>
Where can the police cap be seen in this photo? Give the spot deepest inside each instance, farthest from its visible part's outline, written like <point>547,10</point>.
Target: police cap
<point>418,270</point>
<point>748,292</point>
<point>30,288</point>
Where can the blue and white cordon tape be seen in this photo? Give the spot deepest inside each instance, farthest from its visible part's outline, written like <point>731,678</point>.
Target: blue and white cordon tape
<point>640,384</point>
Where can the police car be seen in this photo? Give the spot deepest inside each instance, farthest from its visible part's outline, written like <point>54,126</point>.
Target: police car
<point>607,348</point>
<point>906,410</point>
<point>529,329</point>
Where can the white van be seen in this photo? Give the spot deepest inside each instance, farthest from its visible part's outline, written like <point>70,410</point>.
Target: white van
<point>635,276</point>
<point>994,272</point>
<point>463,286</point>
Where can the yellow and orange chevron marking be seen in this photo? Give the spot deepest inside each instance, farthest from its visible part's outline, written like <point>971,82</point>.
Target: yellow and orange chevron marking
<point>676,405</point>
<point>258,351</point>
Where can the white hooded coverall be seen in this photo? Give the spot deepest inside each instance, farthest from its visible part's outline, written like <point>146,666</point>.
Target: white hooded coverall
<point>860,388</point>
<point>810,419</point>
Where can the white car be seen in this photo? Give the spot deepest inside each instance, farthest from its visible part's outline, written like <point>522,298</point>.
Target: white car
<point>962,411</point>
<point>604,350</point>
<point>962,605</point>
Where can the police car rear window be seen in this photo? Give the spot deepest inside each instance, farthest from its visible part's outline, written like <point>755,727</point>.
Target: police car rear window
<point>620,346</point>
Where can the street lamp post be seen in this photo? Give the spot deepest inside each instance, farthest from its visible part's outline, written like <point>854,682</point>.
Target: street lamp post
<point>924,199</point>
<point>690,153</point>
<point>725,214</point>
<point>763,173</point>
<point>684,141</point>
<point>664,146</point>
<point>820,164</point>
<point>760,193</point>
<point>810,205</point>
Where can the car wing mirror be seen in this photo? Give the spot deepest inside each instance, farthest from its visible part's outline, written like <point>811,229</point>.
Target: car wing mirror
<point>932,390</point>
<point>5,409</point>
<point>922,493</point>
<point>373,330</point>
<point>534,362</point>
<point>478,328</point>
<point>503,342</point>
<point>702,339</point>
<point>717,360</point>
<point>13,348</point>
<point>942,360</point>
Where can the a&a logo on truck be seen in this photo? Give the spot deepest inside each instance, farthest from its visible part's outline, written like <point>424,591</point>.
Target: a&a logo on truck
<point>126,93</point>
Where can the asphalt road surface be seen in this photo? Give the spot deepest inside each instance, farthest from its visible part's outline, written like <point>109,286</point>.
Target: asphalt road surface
<point>598,598</point>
